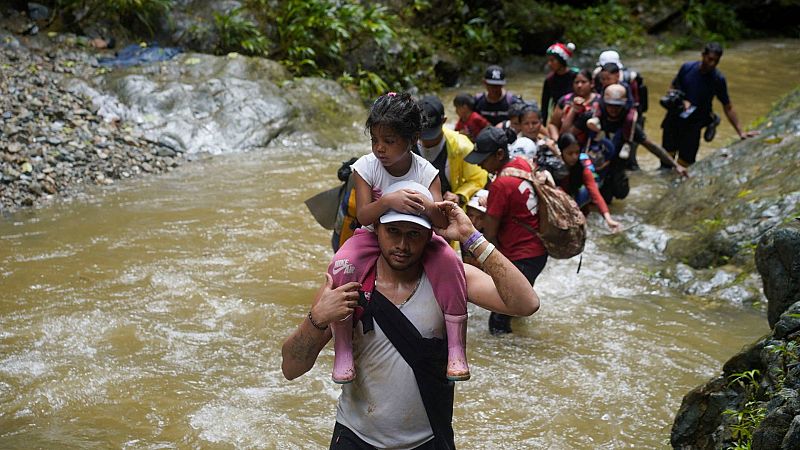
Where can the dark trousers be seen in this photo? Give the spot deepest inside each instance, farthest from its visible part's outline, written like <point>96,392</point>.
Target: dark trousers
<point>344,439</point>
<point>531,268</point>
<point>682,136</point>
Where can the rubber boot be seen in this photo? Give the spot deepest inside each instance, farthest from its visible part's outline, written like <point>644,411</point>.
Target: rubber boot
<point>343,369</point>
<point>457,367</point>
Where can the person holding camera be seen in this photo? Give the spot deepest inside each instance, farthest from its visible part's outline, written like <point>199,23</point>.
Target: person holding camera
<point>688,105</point>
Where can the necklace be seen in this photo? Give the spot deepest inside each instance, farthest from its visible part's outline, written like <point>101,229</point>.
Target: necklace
<point>414,291</point>
<point>410,295</point>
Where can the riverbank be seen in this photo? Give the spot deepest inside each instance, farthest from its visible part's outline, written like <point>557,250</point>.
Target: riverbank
<point>53,142</point>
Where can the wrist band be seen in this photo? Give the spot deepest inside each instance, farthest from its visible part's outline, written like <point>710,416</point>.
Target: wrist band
<point>486,252</point>
<point>316,325</point>
<point>477,244</point>
<point>473,238</point>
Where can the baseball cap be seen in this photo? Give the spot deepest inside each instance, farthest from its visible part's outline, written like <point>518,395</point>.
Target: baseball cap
<point>609,56</point>
<point>395,216</point>
<point>489,140</point>
<point>434,112</point>
<point>615,94</point>
<point>474,202</point>
<point>495,75</point>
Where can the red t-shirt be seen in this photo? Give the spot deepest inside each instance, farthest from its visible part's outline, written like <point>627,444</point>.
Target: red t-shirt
<point>474,124</point>
<point>514,198</point>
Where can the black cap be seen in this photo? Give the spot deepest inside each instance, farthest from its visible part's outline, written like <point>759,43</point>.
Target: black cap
<point>434,117</point>
<point>489,140</point>
<point>495,75</point>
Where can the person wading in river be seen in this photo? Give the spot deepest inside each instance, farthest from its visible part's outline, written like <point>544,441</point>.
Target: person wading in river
<point>512,212</point>
<point>699,81</point>
<point>402,398</point>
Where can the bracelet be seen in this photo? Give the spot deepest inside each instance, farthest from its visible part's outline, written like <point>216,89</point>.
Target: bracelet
<point>488,251</point>
<point>472,239</point>
<point>316,325</point>
<point>477,244</point>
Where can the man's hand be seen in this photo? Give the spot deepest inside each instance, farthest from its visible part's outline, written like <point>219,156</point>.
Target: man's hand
<point>459,227</point>
<point>335,304</point>
<point>682,171</point>
<point>749,134</point>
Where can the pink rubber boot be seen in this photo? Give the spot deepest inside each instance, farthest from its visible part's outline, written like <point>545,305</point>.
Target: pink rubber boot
<point>457,367</point>
<point>343,369</point>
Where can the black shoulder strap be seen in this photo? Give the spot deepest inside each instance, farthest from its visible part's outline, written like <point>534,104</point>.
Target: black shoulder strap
<point>428,359</point>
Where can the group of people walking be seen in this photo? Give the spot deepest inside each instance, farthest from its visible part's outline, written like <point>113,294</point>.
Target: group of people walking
<point>438,233</point>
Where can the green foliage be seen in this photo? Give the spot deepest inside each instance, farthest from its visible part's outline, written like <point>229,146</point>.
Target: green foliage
<point>747,380</point>
<point>709,226</point>
<point>712,21</point>
<point>144,12</point>
<point>237,34</point>
<point>473,32</point>
<point>745,423</point>
<point>608,24</point>
<point>748,418</point>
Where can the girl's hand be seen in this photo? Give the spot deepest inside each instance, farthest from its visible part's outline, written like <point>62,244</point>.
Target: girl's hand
<point>406,201</point>
<point>613,225</point>
<point>376,194</point>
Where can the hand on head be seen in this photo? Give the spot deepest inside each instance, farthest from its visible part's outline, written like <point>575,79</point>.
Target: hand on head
<point>459,227</point>
<point>407,201</point>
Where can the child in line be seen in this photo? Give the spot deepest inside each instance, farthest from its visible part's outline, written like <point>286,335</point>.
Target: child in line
<point>394,124</point>
<point>581,183</point>
<point>469,122</point>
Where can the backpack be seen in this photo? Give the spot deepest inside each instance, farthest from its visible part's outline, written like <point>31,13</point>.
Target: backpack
<point>562,225</point>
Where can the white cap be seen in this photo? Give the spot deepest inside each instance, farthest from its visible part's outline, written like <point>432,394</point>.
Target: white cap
<point>524,147</point>
<point>394,216</point>
<point>474,202</point>
<point>609,56</point>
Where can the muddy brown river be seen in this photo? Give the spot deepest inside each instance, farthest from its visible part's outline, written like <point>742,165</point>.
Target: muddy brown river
<point>151,314</point>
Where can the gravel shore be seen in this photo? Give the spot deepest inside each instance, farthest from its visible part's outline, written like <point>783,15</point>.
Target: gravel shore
<point>52,142</point>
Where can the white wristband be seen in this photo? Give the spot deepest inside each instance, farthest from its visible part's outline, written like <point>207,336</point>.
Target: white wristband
<point>486,252</point>
<point>477,243</point>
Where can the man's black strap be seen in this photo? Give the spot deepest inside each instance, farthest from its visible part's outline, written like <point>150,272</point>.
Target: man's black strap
<point>428,359</point>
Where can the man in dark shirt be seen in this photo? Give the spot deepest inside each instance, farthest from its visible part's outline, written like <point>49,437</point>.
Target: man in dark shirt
<point>700,81</point>
<point>494,104</point>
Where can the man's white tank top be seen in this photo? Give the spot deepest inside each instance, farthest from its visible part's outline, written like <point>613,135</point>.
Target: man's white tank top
<point>383,405</point>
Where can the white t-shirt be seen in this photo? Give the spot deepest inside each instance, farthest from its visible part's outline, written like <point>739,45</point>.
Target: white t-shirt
<point>377,177</point>
<point>383,405</point>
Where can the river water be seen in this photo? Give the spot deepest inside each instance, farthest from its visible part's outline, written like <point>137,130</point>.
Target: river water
<point>151,314</point>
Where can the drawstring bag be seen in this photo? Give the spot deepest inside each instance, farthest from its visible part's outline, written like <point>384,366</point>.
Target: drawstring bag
<point>562,225</point>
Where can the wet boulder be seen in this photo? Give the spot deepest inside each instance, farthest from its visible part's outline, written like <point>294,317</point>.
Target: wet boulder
<point>778,262</point>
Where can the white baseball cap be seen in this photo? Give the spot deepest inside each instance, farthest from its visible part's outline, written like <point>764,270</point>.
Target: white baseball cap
<point>609,56</point>
<point>395,216</point>
<point>474,202</point>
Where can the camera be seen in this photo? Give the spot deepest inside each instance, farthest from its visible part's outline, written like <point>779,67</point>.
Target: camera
<point>673,101</point>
